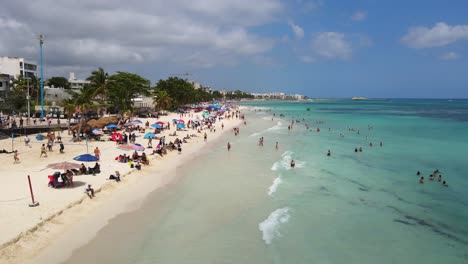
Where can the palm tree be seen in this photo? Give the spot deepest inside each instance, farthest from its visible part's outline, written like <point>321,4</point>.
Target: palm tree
<point>162,100</point>
<point>99,81</point>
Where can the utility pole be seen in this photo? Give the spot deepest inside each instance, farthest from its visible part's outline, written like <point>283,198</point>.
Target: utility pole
<point>28,98</point>
<point>41,41</point>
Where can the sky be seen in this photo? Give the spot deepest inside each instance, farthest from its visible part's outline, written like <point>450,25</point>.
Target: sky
<point>319,48</point>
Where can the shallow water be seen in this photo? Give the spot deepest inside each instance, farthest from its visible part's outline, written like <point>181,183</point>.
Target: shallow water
<point>249,206</point>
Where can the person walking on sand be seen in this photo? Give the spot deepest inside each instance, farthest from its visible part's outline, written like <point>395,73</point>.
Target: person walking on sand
<point>228,146</point>
<point>15,157</point>
<point>43,151</point>
<point>205,137</point>
<point>97,153</point>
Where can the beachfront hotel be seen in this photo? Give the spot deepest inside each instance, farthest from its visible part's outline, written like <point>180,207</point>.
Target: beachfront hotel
<point>10,69</point>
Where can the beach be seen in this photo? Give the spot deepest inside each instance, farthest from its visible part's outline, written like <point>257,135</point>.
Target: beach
<point>248,205</point>
<point>27,230</point>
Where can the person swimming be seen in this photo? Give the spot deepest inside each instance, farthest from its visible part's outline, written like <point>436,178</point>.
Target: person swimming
<point>421,180</point>
<point>418,173</point>
<point>360,149</point>
<point>444,183</point>
<point>440,178</point>
<point>328,153</point>
<point>355,150</point>
<point>293,164</point>
<point>431,177</point>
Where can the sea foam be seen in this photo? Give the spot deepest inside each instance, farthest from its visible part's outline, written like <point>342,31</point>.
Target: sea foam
<point>285,162</point>
<point>274,186</point>
<point>271,129</point>
<point>270,227</point>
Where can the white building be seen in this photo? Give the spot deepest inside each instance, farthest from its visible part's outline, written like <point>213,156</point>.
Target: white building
<point>17,66</point>
<point>76,83</point>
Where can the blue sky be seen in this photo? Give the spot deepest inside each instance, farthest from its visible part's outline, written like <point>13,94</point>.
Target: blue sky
<point>320,48</point>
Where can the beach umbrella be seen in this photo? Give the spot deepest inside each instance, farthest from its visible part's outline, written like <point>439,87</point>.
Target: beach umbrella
<point>180,125</point>
<point>149,135</point>
<point>64,166</point>
<point>181,121</point>
<point>138,121</point>
<point>86,158</point>
<point>160,123</point>
<point>111,126</point>
<point>125,147</point>
<point>174,119</point>
<point>136,147</point>
<point>156,125</point>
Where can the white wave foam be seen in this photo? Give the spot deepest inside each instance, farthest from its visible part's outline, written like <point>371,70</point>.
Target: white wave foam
<point>275,127</point>
<point>256,134</point>
<point>270,227</point>
<point>285,162</point>
<point>274,186</point>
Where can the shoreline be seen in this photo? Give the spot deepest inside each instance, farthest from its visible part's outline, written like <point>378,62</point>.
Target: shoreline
<point>130,192</point>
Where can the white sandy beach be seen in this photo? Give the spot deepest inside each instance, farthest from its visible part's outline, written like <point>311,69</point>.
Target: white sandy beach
<point>67,214</point>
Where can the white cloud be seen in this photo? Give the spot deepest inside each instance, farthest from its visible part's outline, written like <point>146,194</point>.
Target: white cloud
<point>297,30</point>
<point>359,16</point>
<point>332,45</point>
<point>449,56</point>
<point>306,58</point>
<point>89,33</point>
<point>440,35</point>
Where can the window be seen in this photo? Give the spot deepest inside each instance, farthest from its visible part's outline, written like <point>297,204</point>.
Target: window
<point>21,64</point>
<point>1,84</point>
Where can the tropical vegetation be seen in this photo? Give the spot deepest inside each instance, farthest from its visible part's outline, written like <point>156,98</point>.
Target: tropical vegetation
<point>116,93</point>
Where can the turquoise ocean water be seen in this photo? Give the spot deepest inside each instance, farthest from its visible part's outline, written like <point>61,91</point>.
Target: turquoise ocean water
<point>249,206</point>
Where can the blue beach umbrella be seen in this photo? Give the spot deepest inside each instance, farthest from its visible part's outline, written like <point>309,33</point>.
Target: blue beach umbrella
<point>112,126</point>
<point>86,158</point>
<point>180,125</point>
<point>138,121</point>
<point>149,135</point>
<point>156,125</point>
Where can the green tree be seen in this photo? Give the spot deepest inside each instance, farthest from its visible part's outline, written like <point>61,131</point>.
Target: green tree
<point>161,100</point>
<point>99,81</point>
<point>59,82</point>
<point>217,95</point>
<point>181,91</point>
<point>123,87</point>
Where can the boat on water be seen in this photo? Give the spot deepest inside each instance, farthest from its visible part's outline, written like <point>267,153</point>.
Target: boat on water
<point>359,98</point>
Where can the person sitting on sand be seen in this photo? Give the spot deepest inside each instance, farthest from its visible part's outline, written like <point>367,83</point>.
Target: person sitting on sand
<point>421,180</point>
<point>144,159</point>
<point>115,177</point>
<point>82,169</point>
<point>62,148</point>
<point>89,191</point>
<point>137,165</point>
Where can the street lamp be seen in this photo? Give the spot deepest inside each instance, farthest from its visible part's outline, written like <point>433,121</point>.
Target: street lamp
<point>28,97</point>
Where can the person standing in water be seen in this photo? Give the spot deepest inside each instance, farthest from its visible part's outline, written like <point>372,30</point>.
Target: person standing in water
<point>293,164</point>
<point>228,146</point>
<point>276,146</point>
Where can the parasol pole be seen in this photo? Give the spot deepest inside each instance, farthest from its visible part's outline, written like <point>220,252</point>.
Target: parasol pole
<point>87,150</point>
<point>34,203</point>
